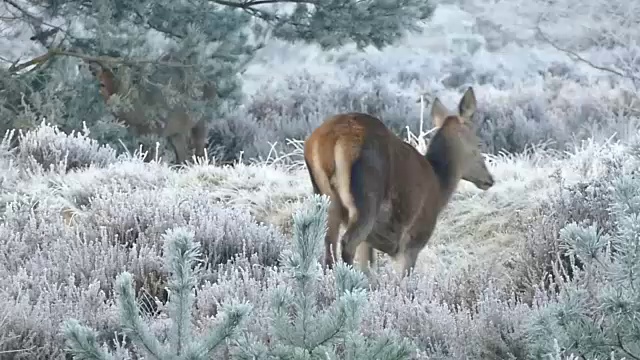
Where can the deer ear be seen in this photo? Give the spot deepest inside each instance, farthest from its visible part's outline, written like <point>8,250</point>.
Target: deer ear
<point>467,105</point>
<point>439,112</point>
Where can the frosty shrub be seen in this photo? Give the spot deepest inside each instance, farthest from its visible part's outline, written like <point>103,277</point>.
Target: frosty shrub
<point>52,266</point>
<point>585,203</point>
<point>139,216</point>
<point>48,147</point>
<point>300,328</point>
<point>596,313</point>
<point>555,112</point>
<point>180,256</point>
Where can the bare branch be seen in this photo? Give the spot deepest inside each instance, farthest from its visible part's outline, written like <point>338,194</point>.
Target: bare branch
<point>577,56</point>
<point>36,23</point>
<point>16,351</point>
<point>23,11</point>
<point>99,59</point>
<point>249,4</point>
<point>15,68</point>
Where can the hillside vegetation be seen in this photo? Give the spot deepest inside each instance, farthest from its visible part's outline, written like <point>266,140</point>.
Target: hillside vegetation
<point>544,265</point>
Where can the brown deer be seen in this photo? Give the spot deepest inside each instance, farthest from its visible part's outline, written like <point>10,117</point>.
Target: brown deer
<point>385,193</point>
<point>180,129</point>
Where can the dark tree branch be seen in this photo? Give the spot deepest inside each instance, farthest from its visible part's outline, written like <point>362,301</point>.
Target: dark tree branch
<point>99,59</point>
<point>36,23</point>
<point>249,4</point>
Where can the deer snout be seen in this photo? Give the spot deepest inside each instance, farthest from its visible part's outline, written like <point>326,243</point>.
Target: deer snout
<point>486,183</point>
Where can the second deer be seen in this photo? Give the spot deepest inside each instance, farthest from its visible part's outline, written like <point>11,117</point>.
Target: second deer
<point>178,127</point>
<point>385,193</point>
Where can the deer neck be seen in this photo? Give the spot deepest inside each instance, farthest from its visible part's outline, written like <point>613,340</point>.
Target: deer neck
<point>444,156</point>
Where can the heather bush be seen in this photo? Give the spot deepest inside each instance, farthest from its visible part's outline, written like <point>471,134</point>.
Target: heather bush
<point>314,333</point>
<point>120,212</point>
<point>46,148</point>
<point>554,111</point>
<point>585,202</point>
<point>54,265</point>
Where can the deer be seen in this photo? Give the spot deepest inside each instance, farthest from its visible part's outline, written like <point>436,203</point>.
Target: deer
<point>382,191</point>
<point>178,127</point>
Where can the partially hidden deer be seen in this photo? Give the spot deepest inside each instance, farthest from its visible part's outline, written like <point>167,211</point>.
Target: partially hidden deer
<point>385,193</point>
<point>178,127</point>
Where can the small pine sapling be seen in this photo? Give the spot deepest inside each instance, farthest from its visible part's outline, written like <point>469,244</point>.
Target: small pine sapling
<point>181,253</point>
<point>299,329</point>
<point>597,312</point>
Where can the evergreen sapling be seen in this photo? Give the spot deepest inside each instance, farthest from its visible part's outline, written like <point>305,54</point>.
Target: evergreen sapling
<point>181,253</point>
<point>597,314</point>
<point>302,331</point>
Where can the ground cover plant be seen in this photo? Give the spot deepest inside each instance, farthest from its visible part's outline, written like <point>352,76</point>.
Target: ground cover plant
<point>542,266</point>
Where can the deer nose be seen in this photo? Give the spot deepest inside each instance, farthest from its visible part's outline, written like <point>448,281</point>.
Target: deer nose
<point>486,184</point>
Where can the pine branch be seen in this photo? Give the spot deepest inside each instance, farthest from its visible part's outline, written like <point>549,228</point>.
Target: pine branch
<point>181,254</point>
<point>310,334</point>
<point>233,317</point>
<point>131,320</point>
<point>82,343</point>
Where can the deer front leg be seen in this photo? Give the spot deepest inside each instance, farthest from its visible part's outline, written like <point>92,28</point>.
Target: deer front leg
<point>199,137</point>
<point>179,143</point>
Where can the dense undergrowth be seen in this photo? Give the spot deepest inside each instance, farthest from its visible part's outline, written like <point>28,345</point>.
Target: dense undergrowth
<point>68,231</point>
<point>544,265</point>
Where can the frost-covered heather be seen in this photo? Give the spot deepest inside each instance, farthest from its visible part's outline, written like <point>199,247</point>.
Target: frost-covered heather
<point>65,235</point>
<point>74,215</point>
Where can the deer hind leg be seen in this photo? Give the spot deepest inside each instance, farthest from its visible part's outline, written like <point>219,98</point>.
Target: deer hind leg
<point>365,256</point>
<point>365,195</point>
<point>335,213</point>
<point>199,137</point>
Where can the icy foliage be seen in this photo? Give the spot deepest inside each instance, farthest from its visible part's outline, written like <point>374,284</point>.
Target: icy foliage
<point>540,266</point>
<point>67,235</point>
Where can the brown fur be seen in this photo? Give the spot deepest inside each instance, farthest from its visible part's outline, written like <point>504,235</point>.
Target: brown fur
<point>383,191</point>
<point>179,128</point>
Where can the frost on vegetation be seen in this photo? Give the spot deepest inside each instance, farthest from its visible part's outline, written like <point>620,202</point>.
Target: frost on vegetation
<point>125,208</point>
<point>48,148</point>
<point>170,55</point>
<point>581,194</point>
<point>181,253</point>
<point>140,216</point>
<point>299,328</point>
<point>51,267</point>
<point>595,311</point>
<point>553,112</point>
